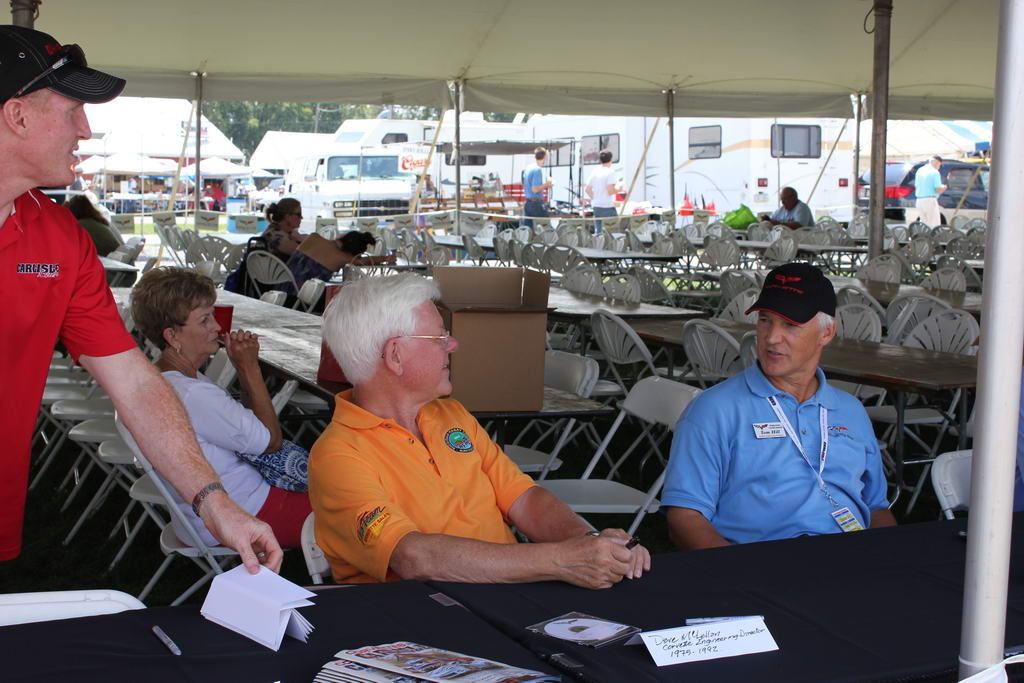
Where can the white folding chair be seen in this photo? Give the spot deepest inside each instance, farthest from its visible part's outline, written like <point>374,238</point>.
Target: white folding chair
<point>316,562</point>
<point>906,312</point>
<point>622,287</point>
<point>656,403</point>
<point>622,347</point>
<point>266,270</point>
<point>276,297</point>
<point>310,292</point>
<point>736,309</point>
<point>951,479</point>
<point>568,372</point>
<point>711,352</point>
<point>211,559</point>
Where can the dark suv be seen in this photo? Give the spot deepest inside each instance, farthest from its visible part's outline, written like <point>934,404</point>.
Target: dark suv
<point>956,176</point>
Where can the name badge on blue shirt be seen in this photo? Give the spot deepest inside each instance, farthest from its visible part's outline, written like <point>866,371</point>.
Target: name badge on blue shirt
<point>769,430</point>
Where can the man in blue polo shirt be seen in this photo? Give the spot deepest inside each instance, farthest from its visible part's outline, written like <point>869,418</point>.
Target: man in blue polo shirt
<point>776,452</point>
<point>534,188</point>
<point>927,188</point>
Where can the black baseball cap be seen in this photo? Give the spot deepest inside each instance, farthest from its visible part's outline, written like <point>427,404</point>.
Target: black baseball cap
<point>797,292</point>
<point>31,60</point>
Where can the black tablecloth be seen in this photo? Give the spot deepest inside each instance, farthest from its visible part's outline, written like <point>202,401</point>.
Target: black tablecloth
<point>121,647</point>
<point>882,604</point>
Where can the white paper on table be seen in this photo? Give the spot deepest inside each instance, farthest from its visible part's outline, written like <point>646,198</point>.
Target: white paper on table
<point>258,606</point>
<point>709,641</point>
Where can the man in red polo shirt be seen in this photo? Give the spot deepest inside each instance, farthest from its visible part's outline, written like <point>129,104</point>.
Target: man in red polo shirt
<point>54,286</point>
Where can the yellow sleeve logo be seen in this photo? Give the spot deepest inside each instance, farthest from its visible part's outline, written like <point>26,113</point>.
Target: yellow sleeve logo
<point>371,524</point>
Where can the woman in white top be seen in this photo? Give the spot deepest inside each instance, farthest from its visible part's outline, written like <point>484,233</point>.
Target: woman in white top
<point>173,307</point>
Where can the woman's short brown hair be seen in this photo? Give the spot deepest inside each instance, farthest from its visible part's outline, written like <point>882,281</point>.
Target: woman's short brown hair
<point>164,297</point>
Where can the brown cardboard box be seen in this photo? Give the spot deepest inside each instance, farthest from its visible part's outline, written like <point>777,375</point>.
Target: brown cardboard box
<point>499,316</point>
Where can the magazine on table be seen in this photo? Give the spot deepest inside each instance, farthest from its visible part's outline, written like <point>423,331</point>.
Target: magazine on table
<point>405,662</point>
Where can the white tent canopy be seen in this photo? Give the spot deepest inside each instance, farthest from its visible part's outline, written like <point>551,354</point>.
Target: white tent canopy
<point>918,140</point>
<point>217,168</point>
<point>737,57</point>
<point>154,127</point>
<point>128,164</point>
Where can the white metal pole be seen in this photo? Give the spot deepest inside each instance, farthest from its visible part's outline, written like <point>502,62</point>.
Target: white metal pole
<point>197,189</point>
<point>1002,336</point>
<point>457,150</point>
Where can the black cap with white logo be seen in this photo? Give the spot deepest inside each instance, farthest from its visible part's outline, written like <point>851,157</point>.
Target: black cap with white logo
<point>797,292</point>
<point>32,60</point>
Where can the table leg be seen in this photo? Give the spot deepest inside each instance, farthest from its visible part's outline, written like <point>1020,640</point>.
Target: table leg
<point>899,400</point>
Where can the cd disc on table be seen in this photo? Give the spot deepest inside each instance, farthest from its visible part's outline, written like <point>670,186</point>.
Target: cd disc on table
<point>581,630</point>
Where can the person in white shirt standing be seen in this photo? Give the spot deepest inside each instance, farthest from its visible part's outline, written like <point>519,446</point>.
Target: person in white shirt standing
<point>601,189</point>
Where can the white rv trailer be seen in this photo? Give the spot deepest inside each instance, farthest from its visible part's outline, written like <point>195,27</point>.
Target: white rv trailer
<point>724,161</point>
<point>372,167</point>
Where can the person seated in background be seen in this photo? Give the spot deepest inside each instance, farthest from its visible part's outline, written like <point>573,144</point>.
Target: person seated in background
<point>407,485</point>
<point>793,213</point>
<point>94,222</point>
<point>264,474</point>
<point>321,258</point>
<point>282,233</point>
<point>775,452</point>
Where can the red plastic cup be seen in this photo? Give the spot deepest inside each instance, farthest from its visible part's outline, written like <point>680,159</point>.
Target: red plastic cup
<point>223,313</point>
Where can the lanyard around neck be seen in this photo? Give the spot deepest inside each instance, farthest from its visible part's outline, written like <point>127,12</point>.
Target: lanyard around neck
<point>822,452</point>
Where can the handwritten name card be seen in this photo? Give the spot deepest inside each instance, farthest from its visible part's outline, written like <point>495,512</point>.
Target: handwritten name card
<point>709,641</point>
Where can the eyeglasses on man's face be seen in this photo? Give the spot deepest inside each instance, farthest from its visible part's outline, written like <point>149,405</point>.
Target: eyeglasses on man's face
<point>441,339</point>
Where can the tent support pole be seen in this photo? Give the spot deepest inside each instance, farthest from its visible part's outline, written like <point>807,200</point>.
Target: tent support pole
<point>1002,333</point>
<point>670,95</point>
<point>196,187</point>
<point>856,154</point>
<point>414,207</point>
<point>879,115</point>
<point>458,157</point>
<point>24,12</point>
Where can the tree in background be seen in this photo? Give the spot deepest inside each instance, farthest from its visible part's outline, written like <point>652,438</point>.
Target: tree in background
<point>245,123</point>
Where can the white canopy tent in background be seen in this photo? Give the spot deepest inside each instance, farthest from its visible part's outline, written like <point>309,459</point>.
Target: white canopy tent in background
<point>917,140</point>
<point>128,164</point>
<point>215,167</point>
<point>156,128</point>
<point>729,58</point>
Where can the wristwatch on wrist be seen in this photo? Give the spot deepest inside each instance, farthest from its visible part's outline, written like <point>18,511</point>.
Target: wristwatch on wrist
<point>203,493</point>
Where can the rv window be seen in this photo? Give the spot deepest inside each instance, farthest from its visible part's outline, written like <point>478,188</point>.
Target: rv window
<point>374,168</point>
<point>309,170</point>
<point>591,146</point>
<point>561,156</point>
<point>705,142</point>
<point>394,137</point>
<point>467,159</point>
<point>790,141</point>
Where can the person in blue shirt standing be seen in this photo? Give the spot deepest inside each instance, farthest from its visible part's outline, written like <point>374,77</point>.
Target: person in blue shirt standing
<point>927,188</point>
<point>775,452</point>
<point>534,188</point>
<point>793,213</point>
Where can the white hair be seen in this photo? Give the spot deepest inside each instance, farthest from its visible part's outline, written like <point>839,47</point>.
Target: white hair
<point>366,313</point>
<point>825,320</point>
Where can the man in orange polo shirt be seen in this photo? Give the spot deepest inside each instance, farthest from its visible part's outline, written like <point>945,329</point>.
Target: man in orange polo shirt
<point>406,485</point>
